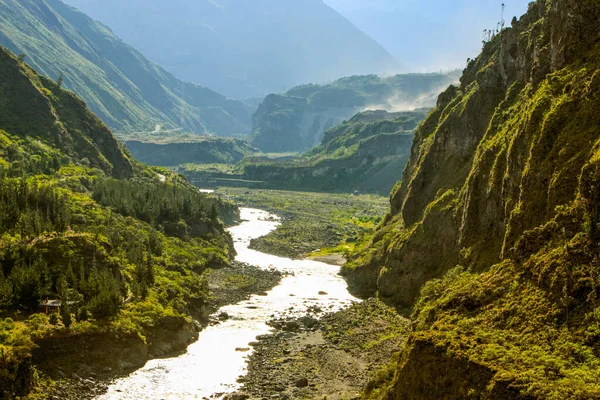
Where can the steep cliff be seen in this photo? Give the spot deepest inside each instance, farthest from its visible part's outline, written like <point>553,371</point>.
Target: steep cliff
<point>493,232</point>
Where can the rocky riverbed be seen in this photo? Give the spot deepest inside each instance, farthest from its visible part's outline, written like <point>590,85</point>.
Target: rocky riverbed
<point>332,357</point>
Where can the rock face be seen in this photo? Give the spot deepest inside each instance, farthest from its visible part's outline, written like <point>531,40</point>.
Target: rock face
<point>503,181</point>
<point>109,354</point>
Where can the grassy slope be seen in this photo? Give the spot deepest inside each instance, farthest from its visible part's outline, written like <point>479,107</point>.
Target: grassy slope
<point>71,228</point>
<point>126,90</point>
<point>502,181</point>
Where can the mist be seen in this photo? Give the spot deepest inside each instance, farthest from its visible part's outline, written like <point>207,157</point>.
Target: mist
<point>429,35</point>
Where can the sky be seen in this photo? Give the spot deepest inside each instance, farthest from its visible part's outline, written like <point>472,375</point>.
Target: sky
<point>429,35</point>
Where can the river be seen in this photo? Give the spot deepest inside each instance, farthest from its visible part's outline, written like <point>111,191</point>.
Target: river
<point>212,364</point>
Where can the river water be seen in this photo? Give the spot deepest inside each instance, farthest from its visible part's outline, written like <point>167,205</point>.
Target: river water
<point>212,364</point>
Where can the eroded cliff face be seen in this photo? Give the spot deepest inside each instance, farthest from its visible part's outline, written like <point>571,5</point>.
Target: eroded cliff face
<point>503,181</point>
<point>498,154</point>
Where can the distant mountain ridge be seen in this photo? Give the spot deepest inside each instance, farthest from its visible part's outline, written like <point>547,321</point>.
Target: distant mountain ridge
<point>126,90</point>
<point>297,120</point>
<point>365,153</point>
<point>244,48</point>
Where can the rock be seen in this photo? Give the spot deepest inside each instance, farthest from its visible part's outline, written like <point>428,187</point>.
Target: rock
<point>292,326</point>
<point>237,396</point>
<point>198,326</point>
<point>302,383</point>
<point>309,322</point>
<point>223,316</point>
<point>322,293</point>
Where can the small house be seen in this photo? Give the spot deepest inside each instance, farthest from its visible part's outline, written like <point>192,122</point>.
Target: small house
<point>50,306</point>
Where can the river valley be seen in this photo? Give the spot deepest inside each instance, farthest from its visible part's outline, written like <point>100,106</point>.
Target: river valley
<point>211,366</point>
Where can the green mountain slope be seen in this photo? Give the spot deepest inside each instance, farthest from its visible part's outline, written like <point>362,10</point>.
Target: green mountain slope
<point>297,119</point>
<point>365,153</point>
<point>126,90</point>
<point>120,246</point>
<point>244,48</point>
<point>208,151</point>
<point>492,237</point>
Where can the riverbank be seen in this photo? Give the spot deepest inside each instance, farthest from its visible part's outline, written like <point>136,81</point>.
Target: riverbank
<point>336,357</point>
<point>319,223</point>
<point>238,282</point>
<point>82,367</point>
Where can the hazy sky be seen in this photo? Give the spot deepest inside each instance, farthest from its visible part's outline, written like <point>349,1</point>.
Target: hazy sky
<point>429,34</point>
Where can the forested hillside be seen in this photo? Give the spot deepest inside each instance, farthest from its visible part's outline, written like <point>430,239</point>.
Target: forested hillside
<point>364,154</point>
<point>197,151</point>
<point>298,119</point>
<point>492,238</point>
<point>126,90</point>
<point>120,246</point>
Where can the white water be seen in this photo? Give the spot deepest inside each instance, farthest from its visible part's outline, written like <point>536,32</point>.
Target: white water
<point>212,364</point>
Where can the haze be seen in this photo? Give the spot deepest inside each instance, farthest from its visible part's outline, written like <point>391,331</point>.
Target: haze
<point>428,35</point>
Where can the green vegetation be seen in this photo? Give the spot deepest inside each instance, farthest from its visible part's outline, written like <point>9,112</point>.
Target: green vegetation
<point>176,150</point>
<point>365,154</point>
<point>298,119</point>
<point>126,90</point>
<point>244,49</point>
<point>120,245</point>
<point>312,221</point>
<point>492,237</point>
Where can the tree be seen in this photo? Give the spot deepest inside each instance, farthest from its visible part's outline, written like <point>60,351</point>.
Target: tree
<point>6,291</point>
<point>59,80</point>
<point>65,302</point>
<point>21,57</point>
<point>214,213</point>
<point>108,300</point>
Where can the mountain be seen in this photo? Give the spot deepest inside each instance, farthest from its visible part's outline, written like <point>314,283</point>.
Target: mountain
<point>126,90</point>
<point>493,235</point>
<point>296,120</point>
<point>365,153</point>
<point>244,48</point>
<point>119,246</point>
<point>207,151</point>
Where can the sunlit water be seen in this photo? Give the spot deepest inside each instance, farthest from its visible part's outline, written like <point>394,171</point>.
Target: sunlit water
<point>212,364</point>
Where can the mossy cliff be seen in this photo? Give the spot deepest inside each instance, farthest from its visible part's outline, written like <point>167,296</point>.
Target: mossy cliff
<point>493,238</point>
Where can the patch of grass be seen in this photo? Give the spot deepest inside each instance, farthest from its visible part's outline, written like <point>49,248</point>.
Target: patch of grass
<point>327,223</point>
